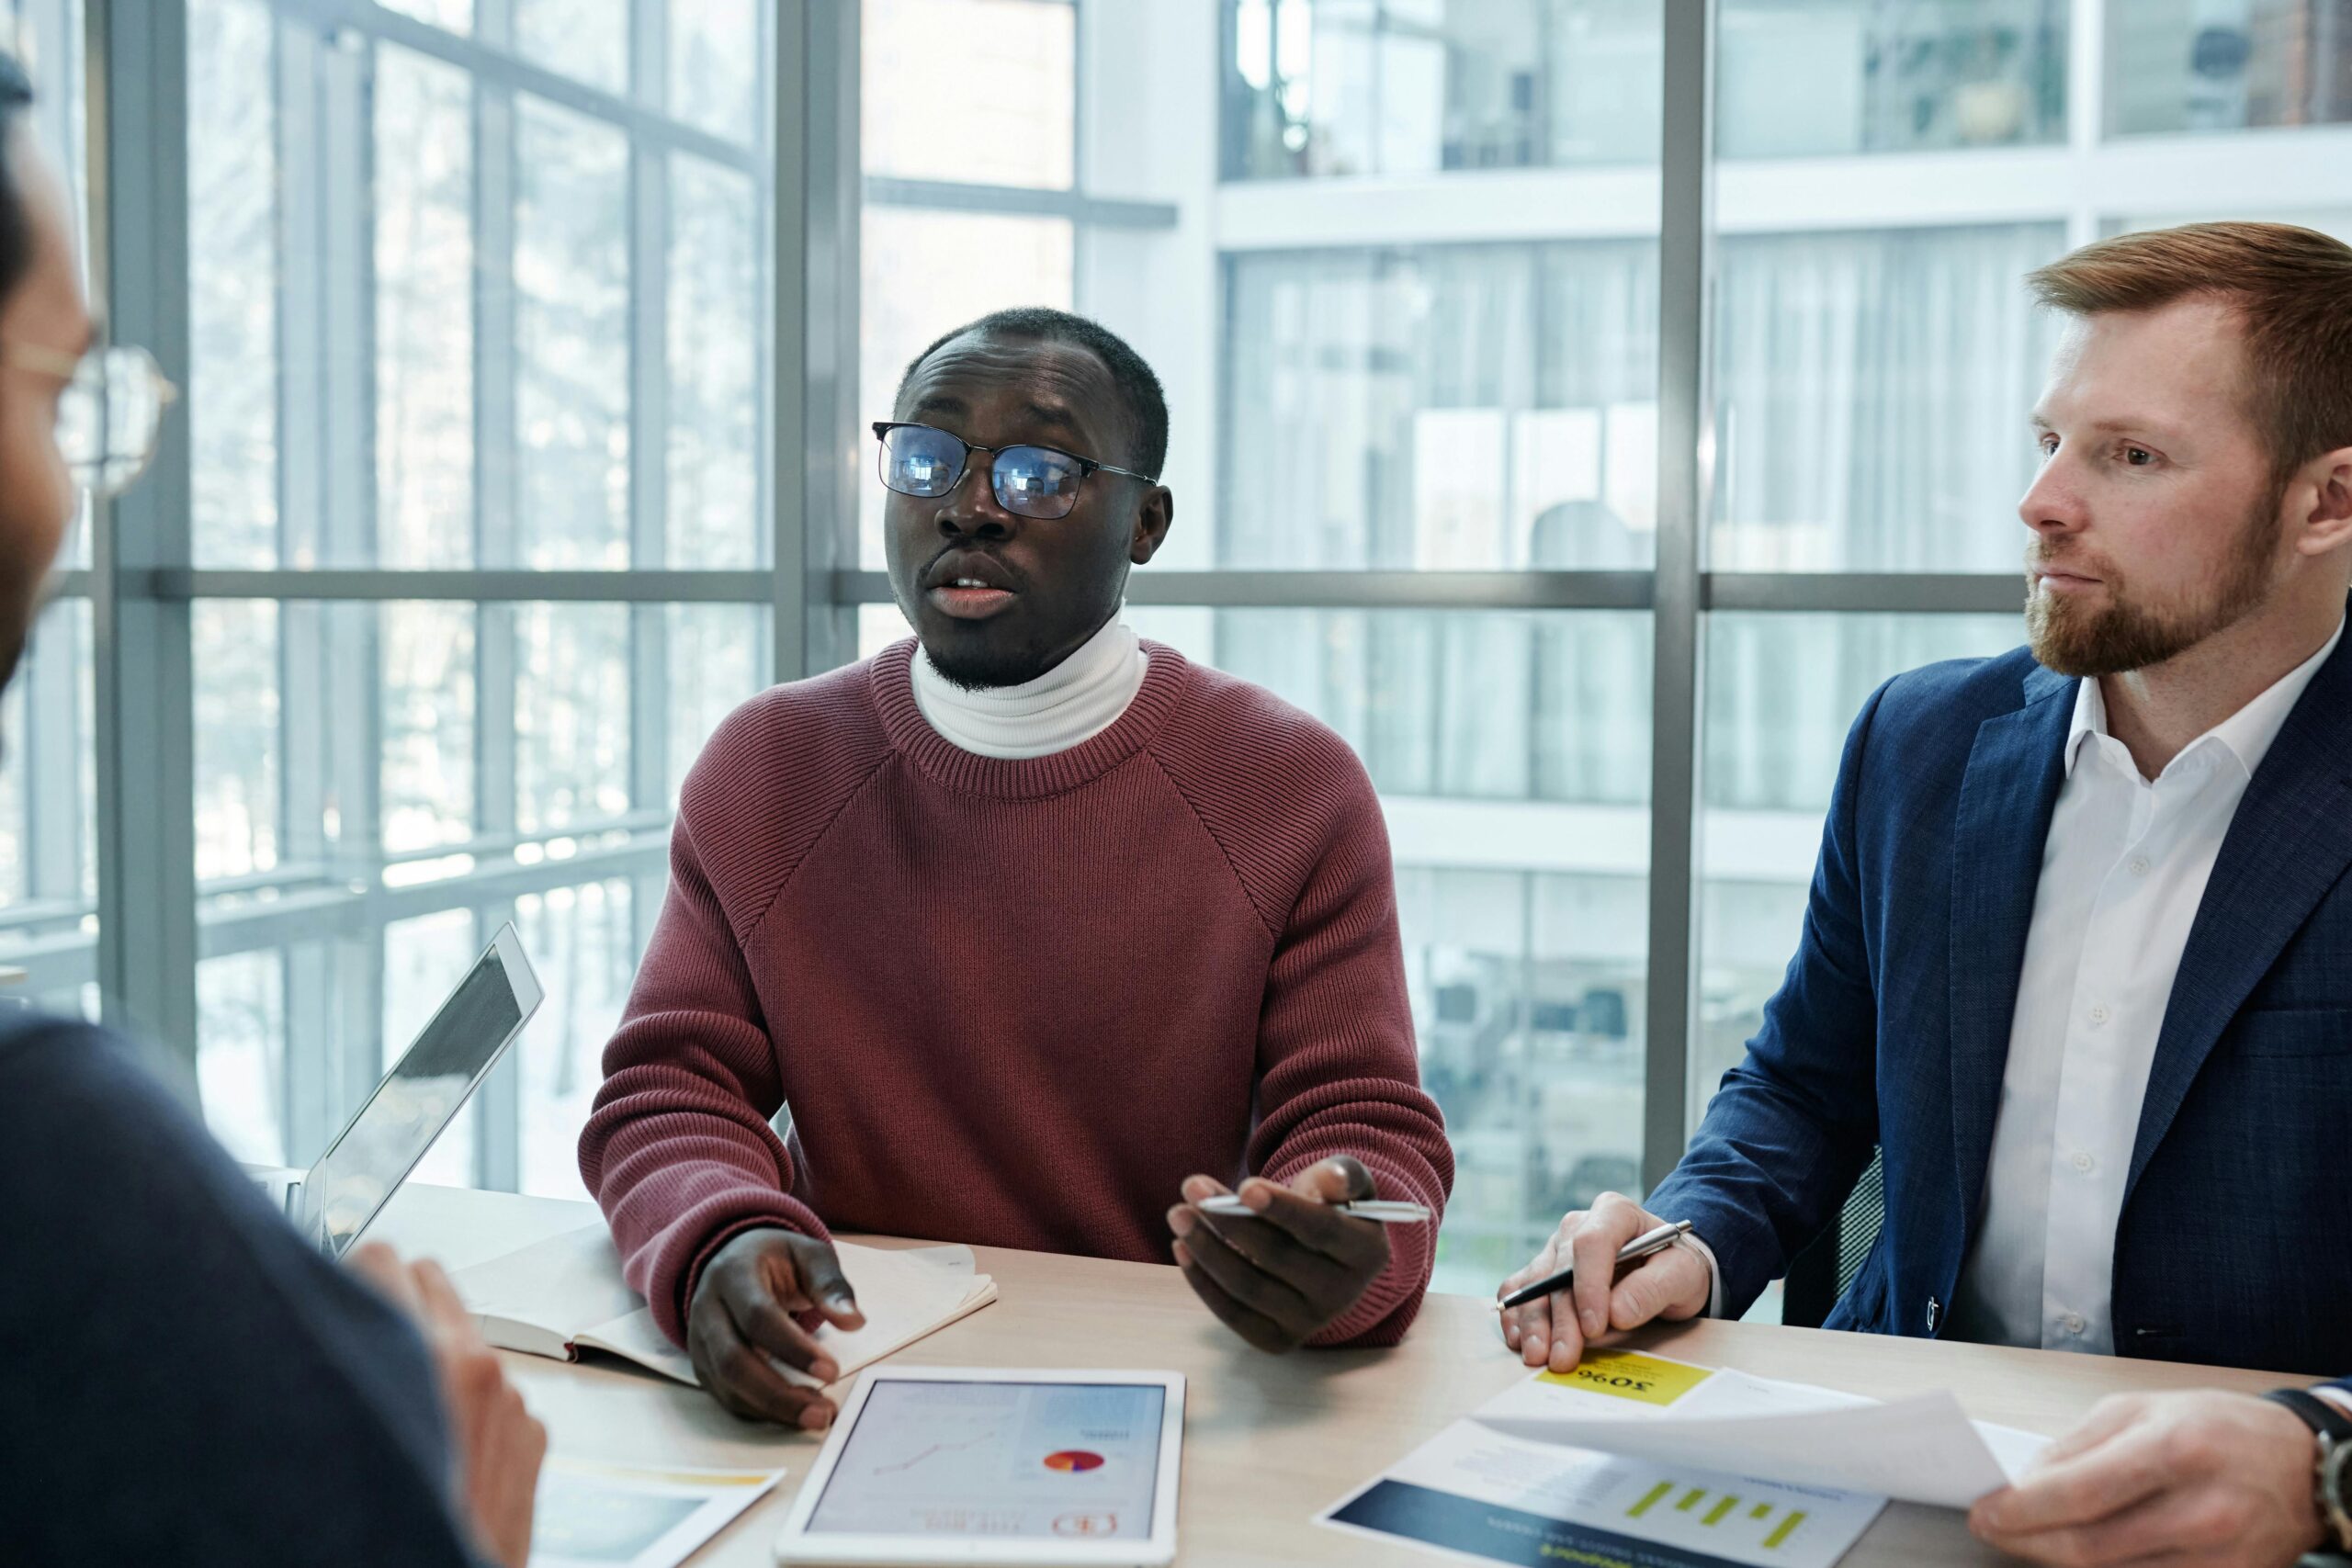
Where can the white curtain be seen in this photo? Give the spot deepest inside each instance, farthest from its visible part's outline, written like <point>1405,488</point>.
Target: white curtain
<point>1871,394</point>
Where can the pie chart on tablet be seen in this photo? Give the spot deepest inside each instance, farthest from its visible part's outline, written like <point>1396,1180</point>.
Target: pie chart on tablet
<point>1073,1459</point>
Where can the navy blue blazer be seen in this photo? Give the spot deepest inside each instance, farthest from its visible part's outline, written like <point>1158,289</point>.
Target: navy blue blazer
<point>1892,1028</point>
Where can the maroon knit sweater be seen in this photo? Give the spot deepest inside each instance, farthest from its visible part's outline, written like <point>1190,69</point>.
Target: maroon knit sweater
<point>1014,1003</point>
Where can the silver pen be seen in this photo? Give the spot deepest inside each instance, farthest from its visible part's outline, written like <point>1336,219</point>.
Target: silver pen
<point>1387,1211</point>
<point>1641,1246</point>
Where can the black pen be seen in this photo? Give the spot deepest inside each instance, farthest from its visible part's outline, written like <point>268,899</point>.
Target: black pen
<point>1641,1246</point>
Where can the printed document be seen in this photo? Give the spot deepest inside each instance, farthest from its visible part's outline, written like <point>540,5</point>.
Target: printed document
<point>1475,1492</point>
<point>1640,1461</point>
<point>1923,1449</point>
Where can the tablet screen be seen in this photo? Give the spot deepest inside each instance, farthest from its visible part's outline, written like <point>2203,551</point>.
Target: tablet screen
<point>996,1461</point>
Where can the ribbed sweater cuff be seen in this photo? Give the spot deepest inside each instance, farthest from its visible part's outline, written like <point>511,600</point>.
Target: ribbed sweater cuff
<point>795,1216</point>
<point>1393,1300</point>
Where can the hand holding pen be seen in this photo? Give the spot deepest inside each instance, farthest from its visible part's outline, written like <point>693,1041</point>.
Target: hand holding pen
<point>1614,1267</point>
<point>1278,1263</point>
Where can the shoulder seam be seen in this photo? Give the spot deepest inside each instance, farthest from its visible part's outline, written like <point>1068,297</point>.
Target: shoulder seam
<point>848,797</point>
<point>1272,933</point>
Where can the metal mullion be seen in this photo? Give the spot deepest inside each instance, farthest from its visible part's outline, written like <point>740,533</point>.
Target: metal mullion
<point>791,254</point>
<point>1920,593</point>
<point>335,981</point>
<point>1686,157</point>
<point>311,1091</point>
<point>1027,201</point>
<point>767,192</point>
<point>497,480</point>
<point>489,58</point>
<point>330,978</point>
<point>498,1120</point>
<point>301,246</point>
<point>1894,592</point>
<point>497,527</point>
<point>488,586</point>
<point>2086,108</point>
<point>145,723</point>
<point>1081,154</point>
<point>766,364</point>
<point>1081,98</point>
<point>300,913</point>
<point>649,437</point>
<point>52,760</point>
<point>816,287</point>
<point>1349,589</point>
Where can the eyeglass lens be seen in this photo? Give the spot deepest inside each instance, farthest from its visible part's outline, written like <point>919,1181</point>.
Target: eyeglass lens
<point>1032,481</point>
<point>108,418</point>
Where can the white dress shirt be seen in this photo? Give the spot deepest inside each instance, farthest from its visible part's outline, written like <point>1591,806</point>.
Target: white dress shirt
<point>1068,705</point>
<point>2123,872</point>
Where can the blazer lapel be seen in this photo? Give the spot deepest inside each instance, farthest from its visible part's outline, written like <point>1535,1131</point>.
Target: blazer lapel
<point>2289,843</point>
<point>2007,796</point>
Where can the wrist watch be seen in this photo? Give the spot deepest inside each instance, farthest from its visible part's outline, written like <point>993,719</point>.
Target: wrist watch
<point>2333,1427</point>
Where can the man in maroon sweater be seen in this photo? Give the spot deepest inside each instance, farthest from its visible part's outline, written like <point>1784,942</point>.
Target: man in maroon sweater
<point>1129,938</point>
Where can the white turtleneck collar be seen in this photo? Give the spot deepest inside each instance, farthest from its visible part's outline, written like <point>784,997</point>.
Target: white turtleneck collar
<point>1068,705</point>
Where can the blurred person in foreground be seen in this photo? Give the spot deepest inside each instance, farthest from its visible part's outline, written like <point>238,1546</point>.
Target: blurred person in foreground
<point>182,1378</point>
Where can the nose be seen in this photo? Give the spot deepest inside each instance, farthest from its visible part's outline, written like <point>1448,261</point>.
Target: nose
<point>2053,504</point>
<point>972,508</point>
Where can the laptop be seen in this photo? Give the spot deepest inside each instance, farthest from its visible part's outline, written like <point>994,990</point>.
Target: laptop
<point>333,1202</point>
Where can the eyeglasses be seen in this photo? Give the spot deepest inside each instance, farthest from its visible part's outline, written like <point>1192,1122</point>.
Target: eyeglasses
<point>1034,481</point>
<point>110,413</point>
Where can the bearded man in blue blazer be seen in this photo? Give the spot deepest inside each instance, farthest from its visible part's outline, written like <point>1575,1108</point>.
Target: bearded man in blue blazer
<point>2077,957</point>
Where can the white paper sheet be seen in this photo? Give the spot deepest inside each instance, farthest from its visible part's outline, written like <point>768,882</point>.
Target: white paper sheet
<point>1923,1449</point>
<point>563,1284</point>
<point>904,1295</point>
<point>566,1292</point>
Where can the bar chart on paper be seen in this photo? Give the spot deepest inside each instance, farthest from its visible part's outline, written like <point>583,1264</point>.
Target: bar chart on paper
<point>1686,1514</point>
<point>1480,1494</point>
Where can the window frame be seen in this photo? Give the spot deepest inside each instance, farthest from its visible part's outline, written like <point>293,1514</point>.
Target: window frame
<point>152,925</point>
<point>326,912</point>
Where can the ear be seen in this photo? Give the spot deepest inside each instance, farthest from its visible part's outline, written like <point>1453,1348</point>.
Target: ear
<point>1154,517</point>
<point>2327,523</point>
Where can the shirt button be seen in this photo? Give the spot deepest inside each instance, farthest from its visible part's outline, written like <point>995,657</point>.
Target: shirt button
<point>2083,1161</point>
<point>2098,1013</point>
<point>2073,1324</point>
<point>2139,866</point>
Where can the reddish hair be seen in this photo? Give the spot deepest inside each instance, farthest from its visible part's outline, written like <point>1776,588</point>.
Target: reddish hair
<point>2291,289</point>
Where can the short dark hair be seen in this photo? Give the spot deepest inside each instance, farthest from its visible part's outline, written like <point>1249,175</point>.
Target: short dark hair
<point>1138,386</point>
<point>15,224</point>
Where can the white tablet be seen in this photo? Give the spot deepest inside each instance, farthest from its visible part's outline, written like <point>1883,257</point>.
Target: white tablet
<point>981,1464</point>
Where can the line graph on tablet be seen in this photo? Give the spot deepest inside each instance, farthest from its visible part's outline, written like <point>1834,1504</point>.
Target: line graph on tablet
<point>1069,1460</point>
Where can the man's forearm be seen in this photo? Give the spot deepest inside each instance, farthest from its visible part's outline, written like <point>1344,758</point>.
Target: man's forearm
<point>679,1165</point>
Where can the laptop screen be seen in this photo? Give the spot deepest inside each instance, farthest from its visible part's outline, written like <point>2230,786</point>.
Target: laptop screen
<point>416,1099</point>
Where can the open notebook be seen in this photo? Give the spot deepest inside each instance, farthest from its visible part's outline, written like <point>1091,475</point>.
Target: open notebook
<point>565,1294</point>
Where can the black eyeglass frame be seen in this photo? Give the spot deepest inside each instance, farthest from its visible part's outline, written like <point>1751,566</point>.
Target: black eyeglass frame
<point>1087,466</point>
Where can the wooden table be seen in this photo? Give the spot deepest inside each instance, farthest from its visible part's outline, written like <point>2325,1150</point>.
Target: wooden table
<point>1269,1441</point>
